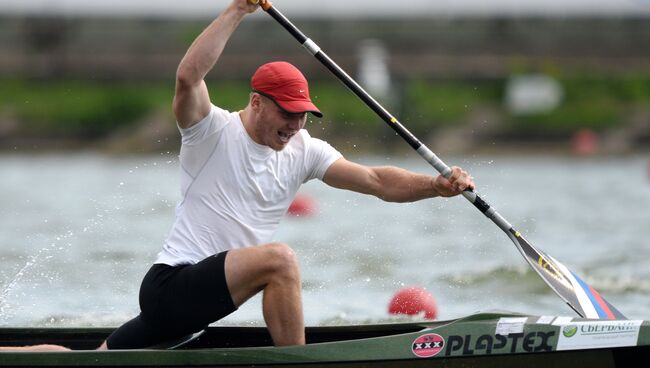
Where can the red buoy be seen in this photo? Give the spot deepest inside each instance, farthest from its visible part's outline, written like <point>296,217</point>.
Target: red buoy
<point>413,301</point>
<point>585,142</point>
<point>302,205</point>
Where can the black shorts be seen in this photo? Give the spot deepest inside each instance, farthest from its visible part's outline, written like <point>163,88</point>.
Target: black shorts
<point>176,301</point>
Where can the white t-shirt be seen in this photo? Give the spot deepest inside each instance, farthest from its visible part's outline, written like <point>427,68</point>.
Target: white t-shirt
<point>235,191</point>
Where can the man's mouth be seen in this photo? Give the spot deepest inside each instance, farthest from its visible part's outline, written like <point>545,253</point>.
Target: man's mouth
<point>285,136</point>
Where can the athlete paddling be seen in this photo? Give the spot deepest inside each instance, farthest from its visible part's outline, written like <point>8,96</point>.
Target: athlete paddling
<point>239,174</point>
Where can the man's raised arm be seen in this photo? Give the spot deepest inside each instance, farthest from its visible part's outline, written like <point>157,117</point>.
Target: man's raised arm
<point>191,99</point>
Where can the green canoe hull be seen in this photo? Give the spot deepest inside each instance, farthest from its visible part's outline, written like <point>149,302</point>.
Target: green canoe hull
<point>481,340</point>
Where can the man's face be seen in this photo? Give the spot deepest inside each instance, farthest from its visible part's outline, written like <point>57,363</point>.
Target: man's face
<point>275,127</point>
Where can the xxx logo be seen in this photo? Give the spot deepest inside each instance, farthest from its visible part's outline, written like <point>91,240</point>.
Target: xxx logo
<point>428,345</point>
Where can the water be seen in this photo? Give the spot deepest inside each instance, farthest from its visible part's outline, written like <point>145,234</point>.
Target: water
<point>79,231</point>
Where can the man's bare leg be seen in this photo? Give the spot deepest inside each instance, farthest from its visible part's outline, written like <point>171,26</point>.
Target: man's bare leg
<point>274,269</point>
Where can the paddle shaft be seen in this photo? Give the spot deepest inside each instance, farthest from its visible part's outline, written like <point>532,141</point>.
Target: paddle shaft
<point>583,299</point>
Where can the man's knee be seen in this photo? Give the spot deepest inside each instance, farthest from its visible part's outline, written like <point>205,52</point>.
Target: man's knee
<point>250,270</point>
<point>282,260</point>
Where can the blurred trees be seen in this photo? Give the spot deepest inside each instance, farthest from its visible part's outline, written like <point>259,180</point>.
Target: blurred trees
<point>87,78</point>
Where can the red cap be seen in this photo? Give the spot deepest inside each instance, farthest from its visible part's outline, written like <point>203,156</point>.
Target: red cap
<point>284,84</point>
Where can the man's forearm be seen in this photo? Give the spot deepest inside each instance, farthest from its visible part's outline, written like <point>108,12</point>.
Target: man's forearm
<point>208,46</point>
<point>399,185</point>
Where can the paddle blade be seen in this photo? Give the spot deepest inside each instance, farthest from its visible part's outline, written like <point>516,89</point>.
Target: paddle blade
<point>580,296</point>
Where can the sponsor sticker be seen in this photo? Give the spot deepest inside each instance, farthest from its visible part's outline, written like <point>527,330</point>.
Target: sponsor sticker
<point>598,334</point>
<point>559,321</point>
<point>428,345</point>
<point>545,320</point>
<point>508,325</point>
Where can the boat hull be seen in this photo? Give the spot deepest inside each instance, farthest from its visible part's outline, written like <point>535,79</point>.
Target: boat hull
<point>481,340</point>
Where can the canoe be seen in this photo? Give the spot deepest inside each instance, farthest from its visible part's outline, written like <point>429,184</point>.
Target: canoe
<point>491,339</point>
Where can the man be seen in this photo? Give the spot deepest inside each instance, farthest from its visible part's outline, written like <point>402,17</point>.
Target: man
<point>240,172</point>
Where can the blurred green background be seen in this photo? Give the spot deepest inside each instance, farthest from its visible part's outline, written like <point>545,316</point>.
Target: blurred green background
<point>461,83</point>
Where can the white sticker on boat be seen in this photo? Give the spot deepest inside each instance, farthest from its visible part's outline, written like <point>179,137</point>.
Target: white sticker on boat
<point>510,325</point>
<point>428,345</point>
<point>598,334</point>
<point>545,320</point>
<point>559,321</point>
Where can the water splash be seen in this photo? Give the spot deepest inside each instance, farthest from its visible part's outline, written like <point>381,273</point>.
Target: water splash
<point>6,292</point>
<point>43,254</point>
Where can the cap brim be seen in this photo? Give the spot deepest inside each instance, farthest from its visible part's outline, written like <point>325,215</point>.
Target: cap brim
<point>299,106</point>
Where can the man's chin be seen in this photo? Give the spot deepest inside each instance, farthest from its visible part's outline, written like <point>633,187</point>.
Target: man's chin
<point>279,147</point>
<point>280,144</point>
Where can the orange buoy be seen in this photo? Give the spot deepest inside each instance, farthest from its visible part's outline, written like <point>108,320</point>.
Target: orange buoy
<point>413,301</point>
<point>302,205</point>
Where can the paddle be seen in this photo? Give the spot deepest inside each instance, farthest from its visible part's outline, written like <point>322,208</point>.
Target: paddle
<point>581,297</point>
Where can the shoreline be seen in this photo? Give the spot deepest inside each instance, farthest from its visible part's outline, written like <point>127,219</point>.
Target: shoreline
<point>347,147</point>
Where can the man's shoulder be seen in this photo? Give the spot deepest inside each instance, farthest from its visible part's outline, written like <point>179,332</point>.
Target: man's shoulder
<point>220,112</point>
<point>220,117</point>
<point>218,120</point>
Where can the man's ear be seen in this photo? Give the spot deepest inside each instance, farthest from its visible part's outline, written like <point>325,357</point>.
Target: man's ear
<point>256,101</point>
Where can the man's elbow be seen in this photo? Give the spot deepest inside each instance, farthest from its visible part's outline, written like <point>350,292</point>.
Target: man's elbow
<point>394,198</point>
<point>381,184</point>
<point>387,192</point>
<point>186,77</point>
<point>390,192</point>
